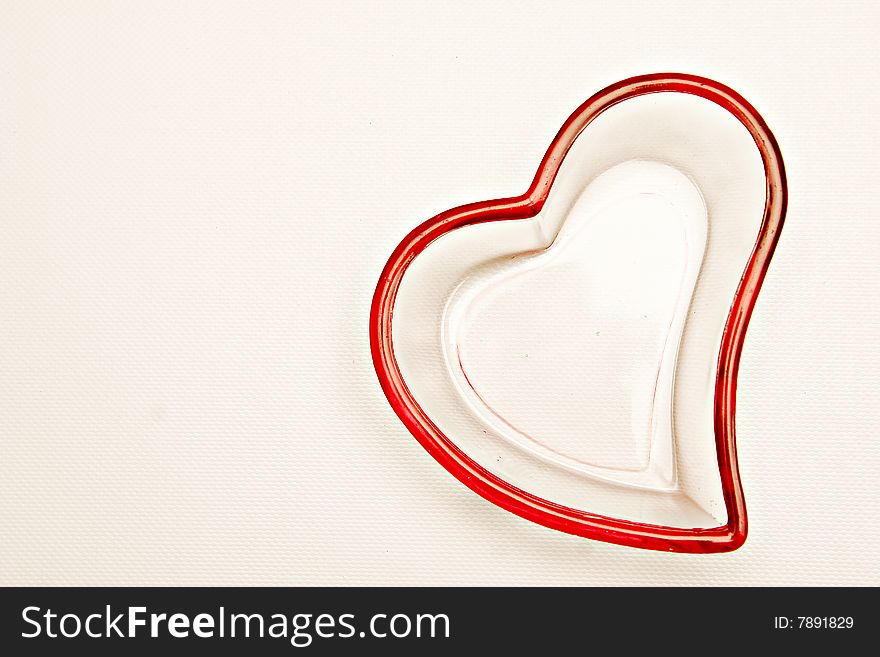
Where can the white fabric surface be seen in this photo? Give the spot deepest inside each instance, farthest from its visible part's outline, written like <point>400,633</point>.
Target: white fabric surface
<point>196,200</point>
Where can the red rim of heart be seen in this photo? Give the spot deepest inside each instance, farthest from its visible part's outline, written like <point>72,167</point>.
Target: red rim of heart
<point>574,521</point>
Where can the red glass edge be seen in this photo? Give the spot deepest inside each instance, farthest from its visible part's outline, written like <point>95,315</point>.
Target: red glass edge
<point>724,538</point>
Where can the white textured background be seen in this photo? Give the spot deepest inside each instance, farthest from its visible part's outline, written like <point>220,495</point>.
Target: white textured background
<point>197,198</point>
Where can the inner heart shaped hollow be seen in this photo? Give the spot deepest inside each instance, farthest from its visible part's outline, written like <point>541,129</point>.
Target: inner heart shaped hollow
<point>571,354</point>
<point>569,351</point>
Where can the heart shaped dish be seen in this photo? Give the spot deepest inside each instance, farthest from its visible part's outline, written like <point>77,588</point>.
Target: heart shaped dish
<point>571,354</point>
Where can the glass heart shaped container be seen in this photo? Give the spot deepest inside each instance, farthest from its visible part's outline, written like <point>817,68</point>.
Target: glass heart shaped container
<point>571,354</point>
